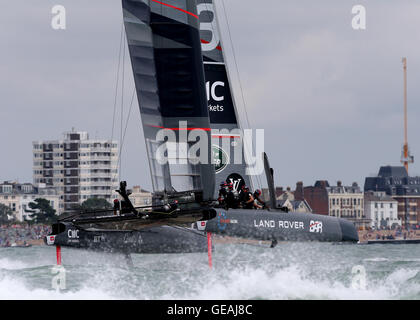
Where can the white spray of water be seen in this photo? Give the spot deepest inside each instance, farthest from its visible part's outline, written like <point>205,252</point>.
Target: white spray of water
<point>8,264</point>
<point>244,273</point>
<point>14,289</point>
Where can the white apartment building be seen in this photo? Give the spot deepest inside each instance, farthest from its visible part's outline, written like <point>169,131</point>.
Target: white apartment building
<point>77,167</point>
<point>347,202</point>
<point>382,210</point>
<point>17,197</point>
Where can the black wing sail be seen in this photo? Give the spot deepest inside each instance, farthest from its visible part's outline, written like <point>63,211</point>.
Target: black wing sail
<point>227,139</point>
<point>165,50</point>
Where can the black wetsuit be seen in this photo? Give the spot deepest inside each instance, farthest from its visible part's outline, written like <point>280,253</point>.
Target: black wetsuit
<point>222,195</point>
<point>241,195</point>
<point>232,200</point>
<point>257,197</point>
<point>246,197</point>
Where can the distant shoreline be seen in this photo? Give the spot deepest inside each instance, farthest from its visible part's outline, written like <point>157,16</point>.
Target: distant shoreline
<point>23,235</point>
<point>387,235</point>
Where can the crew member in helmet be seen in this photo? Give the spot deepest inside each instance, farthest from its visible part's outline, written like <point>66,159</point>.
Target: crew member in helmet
<point>116,206</point>
<point>242,193</point>
<point>232,198</point>
<point>223,193</point>
<point>257,196</point>
<point>248,199</point>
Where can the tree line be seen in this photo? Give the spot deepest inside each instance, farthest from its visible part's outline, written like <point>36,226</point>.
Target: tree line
<point>41,211</point>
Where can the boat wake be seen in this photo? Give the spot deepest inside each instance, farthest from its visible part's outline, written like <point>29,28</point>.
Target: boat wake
<point>239,272</point>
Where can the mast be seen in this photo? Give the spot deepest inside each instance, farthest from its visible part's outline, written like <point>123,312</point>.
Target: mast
<point>406,158</point>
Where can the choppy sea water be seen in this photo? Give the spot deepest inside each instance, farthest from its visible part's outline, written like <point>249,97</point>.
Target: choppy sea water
<point>240,271</point>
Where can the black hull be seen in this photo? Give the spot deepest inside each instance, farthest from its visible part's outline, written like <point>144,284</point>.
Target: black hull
<point>163,239</point>
<point>239,223</point>
<point>281,226</point>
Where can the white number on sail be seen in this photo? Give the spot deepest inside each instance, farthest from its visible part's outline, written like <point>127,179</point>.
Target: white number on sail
<point>209,26</point>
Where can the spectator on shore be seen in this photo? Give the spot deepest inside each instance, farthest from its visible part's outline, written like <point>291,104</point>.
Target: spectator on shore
<point>21,233</point>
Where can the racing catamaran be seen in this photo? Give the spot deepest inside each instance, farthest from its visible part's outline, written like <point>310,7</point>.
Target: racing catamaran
<point>184,95</point>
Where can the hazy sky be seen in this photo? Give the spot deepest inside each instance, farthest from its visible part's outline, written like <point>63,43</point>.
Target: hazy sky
<point>329,98</point>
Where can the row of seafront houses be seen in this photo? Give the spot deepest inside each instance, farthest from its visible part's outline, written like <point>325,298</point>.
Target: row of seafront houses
<point>389,200</point>
<point>17,197</point>
<point>67,172</point>
<point>70,170</point>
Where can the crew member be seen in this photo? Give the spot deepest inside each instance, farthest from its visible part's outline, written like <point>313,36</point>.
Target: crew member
<point>116,206</point>
<point>232,198</point>
<point>248,199</point>
<point>257,197</point>
<point>242,194</point>
<point>222,193</point>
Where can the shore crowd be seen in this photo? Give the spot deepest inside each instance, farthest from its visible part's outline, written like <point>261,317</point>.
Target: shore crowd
<point>388,234</point>
<point>22,234</point>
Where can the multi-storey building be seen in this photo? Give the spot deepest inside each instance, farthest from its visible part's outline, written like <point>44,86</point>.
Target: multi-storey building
<point>140,197</point>
<point>17,197</point>
<point>338,201</point>
<point>381,209</point>
<point>396,182</point>
<point>77,167</point>
<point>316,195</point>
<point>345,201</point>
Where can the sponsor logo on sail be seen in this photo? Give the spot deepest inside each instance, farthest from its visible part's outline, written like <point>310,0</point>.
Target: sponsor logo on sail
<point>209,27</point>
<point>211,90</point>
<point>221,159</point>
<point>213,97</point>
<point>237,181</point>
